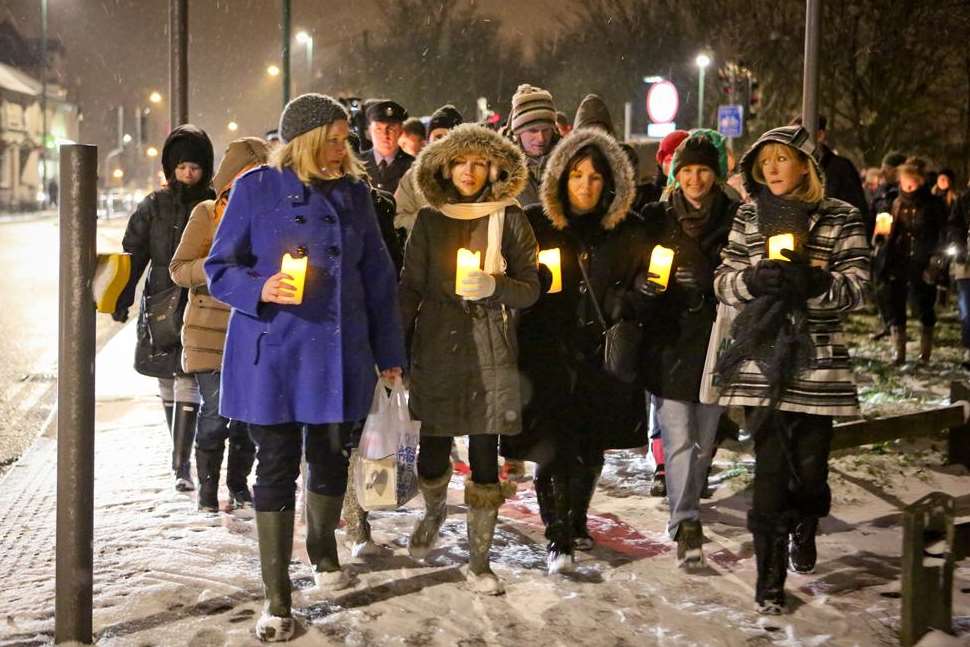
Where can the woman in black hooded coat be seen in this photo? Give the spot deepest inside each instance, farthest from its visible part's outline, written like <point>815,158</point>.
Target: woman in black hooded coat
<point>153,233</point>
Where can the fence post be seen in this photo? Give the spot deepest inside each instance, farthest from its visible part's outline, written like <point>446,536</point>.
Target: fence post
<point>958,438</point>
<point>927,577</point>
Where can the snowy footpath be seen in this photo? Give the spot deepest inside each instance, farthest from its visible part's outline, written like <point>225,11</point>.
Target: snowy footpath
<point>166,575</point>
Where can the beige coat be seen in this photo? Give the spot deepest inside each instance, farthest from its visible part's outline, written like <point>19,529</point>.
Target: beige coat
<point>204,326</point>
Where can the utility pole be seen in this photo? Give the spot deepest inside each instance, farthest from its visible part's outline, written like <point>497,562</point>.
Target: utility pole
<point>178,70</point>
<point>285,67</point>
<point>43,101</point>
<point>813,30</point>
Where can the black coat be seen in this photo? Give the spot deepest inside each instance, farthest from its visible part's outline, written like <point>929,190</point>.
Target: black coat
<point>385,207</point>
<point>677,324</point>
<point>392,174</point>
<point>916,235</point>
<point>842,179</point>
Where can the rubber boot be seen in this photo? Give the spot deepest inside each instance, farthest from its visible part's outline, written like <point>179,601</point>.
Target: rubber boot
<point>802,553</point>
<point>553,501</point>
<point>184,420</point>
<point>322,519</point>
<point>169,412</point>
<point>208,462</point>
<point>899,345</point>
<point>582,484</point>
<point>425,533</point>
<point>658,487</point>
<point>357,530</point>
<point>925,344</point>
<point>242,455</point>
<point>483,501</point>
<point>275,532</point>
<point>770,533</point>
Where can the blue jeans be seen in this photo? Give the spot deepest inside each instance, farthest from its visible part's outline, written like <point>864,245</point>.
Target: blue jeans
<point>213,430</point>
<point>963,303</point>
<point>689,432</point>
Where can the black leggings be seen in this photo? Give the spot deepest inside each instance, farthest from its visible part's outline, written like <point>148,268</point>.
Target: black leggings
<point>434,454</point>
<point>920,296</point>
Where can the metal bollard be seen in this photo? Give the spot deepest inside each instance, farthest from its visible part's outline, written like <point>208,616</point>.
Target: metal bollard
<point>75,395</point>
<point>927,578</point>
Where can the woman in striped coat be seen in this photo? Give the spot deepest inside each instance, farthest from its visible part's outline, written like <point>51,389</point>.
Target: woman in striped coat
<point>789,365</point>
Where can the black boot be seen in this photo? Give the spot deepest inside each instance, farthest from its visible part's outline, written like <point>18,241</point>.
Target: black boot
<point>169,411</point>
<point>801,552</point>
<point>582,484</point>
<point>552,494</point>
<point>242,454</point>
<point>275,532</point>
<point>183,435</point>
<point>208,462</point>
<point>770,533</point>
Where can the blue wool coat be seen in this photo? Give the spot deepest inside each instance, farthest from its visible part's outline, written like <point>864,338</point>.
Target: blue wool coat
<point>314,362</point>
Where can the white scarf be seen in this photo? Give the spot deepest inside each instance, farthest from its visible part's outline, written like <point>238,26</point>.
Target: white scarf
<point>494,261</point>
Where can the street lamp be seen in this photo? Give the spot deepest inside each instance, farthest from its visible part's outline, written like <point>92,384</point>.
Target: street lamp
<point>232,126</point>
<point>702,61</point>
<point>273,70</point>
<point>155,97</point>
<point>118,174</point>
<point>152,152</point>
<point>306,40</point>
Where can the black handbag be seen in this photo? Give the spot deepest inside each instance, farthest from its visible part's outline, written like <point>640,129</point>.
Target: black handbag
<point>621,341</point>
<point>163,312</point>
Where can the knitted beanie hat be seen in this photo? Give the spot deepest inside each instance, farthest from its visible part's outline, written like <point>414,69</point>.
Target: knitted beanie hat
<point>447,116</point>
<point>669,144</point>
<point>703,146</point>
<point>531,107</point>
<point>309,111</point>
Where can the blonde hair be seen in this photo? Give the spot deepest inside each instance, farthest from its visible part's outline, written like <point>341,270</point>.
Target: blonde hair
<point>301,152</point>
<point>811,189</point>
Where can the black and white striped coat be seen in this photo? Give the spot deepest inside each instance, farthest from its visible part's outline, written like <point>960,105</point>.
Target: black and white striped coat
<point>837,242</point>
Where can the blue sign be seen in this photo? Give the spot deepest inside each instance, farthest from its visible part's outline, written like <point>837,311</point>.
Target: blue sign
<point>730,120</point>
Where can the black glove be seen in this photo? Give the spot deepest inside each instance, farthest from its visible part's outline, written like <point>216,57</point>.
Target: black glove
<point>686,278</point>
<point>764,279</point>
<point>120,315</point>
<point>649,288</point>
<point>801,278</point>
<point>545,279</point>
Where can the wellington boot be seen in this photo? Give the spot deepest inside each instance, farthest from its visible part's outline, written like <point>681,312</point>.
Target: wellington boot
<point>184,420</point>
<point>323,516</point>
<point>275,532</point>
<point>208,462</point>
<point>899,345</point>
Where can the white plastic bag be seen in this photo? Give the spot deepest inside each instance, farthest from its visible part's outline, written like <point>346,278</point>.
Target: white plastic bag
<point>720,339</point>
<point>385,475</point>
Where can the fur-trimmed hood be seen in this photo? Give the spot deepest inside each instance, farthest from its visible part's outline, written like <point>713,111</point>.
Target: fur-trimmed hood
<point>503,155</point>
<point>624,186</point>
<point>793,136</point>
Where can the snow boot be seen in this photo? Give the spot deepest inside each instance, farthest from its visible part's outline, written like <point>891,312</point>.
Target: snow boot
<point>357,528</point>
<point>770,533</point>
<point>802,553</point>
<point>554,509</point>
<point>899,345</point>
<point>239,463</point>
<point>514,469</point>
<point>582,484</point>
<point>483,501</point>
<point>275,532</point>
<point>184,420</point>
<point>322,519</point>
<point>208,462</point>
<point>690,542</point>
<point>925,344</point>
<point>658,487</point>
<point>425,533</point>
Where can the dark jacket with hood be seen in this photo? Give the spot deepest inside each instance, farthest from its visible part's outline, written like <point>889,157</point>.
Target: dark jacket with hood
<point>919,222</point>
<point>842,179</point>
<point>153,233</point>
<point>677,323</point>
<point>464,354</point>
<point>566,390</point>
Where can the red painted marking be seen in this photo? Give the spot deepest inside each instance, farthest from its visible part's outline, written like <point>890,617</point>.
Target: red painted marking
<point>724,558</point>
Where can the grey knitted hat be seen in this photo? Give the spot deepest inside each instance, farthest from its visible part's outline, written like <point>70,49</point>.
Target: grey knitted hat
<point>309,111</point>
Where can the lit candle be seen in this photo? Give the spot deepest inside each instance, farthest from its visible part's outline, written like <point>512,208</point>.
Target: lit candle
<point>551,259</point>
<point>661,259</point>
<point>467,263</point>
<point>296,267</point>
<point>778,243</point>
<point>884,223</point>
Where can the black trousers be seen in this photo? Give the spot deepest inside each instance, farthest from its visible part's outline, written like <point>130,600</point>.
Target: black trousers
<point>279,449</point>
<point>920,296</point>
<point>791,465</point>
<point>434,455</point>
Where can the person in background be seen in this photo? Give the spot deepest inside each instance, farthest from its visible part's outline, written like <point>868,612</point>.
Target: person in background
<point>563,125</point>
<point>301,371</point>
<point>386,163</point>
<point>151,237</point>
<point>946,187</point>
<point>593,113</point>
<point>532,126</point>
<point>204,336</point>
<point>882,202</point>
<point>413,136</point>
<point>958,239</point>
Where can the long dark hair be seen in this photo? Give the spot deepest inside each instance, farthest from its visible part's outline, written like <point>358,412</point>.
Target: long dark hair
<point>601,165</point>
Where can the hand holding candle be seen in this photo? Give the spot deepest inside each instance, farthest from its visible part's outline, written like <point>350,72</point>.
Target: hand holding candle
<point>467,262</point>
<point>551,258</point>
<point>778,243</point>
<point>661,260</point>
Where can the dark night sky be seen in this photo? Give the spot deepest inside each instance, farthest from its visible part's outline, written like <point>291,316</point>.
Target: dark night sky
<point>117,51</point>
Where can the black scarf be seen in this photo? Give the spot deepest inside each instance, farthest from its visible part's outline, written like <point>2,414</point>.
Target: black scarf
<point>693,220</point>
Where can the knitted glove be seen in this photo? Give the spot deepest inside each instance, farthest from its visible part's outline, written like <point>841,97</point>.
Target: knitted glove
<point>764,279</point>
<point>477,285</point>
<point>802,278</point>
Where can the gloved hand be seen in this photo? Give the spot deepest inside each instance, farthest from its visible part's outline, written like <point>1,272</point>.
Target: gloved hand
<point>686,278</point>
<point>648,288</point>
<point>802,278</point>
<point>545,278</point>
<point>120,315</point>
<point>764,279</point>
<point>477,285</point>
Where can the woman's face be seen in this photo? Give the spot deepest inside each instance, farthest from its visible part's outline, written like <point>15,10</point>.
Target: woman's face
<point>334,148</point>
<point>696,181</point>
<point>188,173</point>
<point>942,182</point>
<point>909,183</point>
<point>585,187</point>
<point>782,169</point>
<point>469,173</point>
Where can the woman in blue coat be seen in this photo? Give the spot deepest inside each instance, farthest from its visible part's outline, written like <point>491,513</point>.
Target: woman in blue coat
<point>295,370</point>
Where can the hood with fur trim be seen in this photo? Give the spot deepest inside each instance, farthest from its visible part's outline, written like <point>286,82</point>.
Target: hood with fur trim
<point>466,139</point>
<point>794,136</point>
<point>624,186</point>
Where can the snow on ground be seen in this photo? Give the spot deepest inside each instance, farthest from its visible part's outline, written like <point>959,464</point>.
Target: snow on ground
<point>167,575</point>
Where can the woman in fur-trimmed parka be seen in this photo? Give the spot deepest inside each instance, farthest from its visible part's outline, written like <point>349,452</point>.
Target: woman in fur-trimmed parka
<point>574,410</point>
<point>464,353</point>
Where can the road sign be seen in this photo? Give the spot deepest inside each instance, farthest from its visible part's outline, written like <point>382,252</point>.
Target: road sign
<point>730,120</point>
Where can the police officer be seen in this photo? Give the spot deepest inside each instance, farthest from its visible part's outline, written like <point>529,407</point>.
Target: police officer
<point>386,162</point>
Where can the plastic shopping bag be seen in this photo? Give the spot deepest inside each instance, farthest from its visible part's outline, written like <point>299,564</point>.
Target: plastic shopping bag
<point>385,476</point>
<point>720,339</point>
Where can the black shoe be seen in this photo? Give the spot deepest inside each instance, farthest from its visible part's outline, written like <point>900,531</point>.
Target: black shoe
<point>690,541</point>
<point>241,499</point>
<point>802,554</point>
<point>658,487</point>
<point>582,485</point>
<point>770,533</point>
<point>208,463</point>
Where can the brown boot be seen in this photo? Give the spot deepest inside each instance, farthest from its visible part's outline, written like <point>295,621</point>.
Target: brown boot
<point>925,344</point>
<point>899,345</point>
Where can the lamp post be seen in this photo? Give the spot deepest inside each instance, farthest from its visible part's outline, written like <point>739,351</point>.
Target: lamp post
<point>43,101</point>
<point>702,61</point>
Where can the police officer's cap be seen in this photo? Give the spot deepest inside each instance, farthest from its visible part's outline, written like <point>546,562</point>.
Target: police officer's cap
<point>386,110</point>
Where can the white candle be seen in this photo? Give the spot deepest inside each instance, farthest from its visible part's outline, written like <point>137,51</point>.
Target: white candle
<point>552,259</point>
<point>777,243</point>
<point>296,268</point>
<point>467,262</point>
<point>661,260</point>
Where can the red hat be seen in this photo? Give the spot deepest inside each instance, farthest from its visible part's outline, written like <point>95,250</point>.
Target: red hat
<point>669,144</point>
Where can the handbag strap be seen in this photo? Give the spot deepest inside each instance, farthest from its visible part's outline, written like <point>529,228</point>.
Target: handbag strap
<point>589,288</point>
